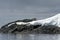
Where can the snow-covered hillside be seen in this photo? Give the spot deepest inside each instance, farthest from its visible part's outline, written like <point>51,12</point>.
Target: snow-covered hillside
<point>54,20</point>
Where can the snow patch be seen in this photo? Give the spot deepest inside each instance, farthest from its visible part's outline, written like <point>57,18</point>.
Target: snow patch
<point>21,23</point>
<point>11,24</point>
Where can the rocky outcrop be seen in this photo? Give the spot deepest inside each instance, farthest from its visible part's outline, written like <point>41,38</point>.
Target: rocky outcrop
<point>12,27</point>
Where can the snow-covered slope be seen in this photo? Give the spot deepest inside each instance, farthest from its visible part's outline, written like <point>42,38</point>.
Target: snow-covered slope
<point>54,20</point>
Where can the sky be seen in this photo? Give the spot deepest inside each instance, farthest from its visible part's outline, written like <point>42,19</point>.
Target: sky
<point>11,10</point>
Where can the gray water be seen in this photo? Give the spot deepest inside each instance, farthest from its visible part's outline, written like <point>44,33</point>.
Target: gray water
<point>29,36</point>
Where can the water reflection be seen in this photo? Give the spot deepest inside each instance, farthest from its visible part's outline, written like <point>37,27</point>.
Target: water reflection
<point>29,36</point>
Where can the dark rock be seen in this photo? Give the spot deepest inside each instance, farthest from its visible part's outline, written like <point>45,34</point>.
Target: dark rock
<point>13,28</point>
<point>10,27</point>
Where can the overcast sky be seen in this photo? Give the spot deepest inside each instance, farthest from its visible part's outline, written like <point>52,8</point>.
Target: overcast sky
<point>11,10</point>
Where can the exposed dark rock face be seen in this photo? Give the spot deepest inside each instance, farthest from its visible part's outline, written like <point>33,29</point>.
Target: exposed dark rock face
<point>10,27</point>
<point>49,29</point>
<point>13,28</point>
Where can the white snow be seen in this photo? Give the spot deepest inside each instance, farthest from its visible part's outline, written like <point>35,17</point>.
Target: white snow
<point>21,23</point>
<point>54,20</point>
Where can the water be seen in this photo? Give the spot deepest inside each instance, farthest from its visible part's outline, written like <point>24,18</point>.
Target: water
<point>29,36</point>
